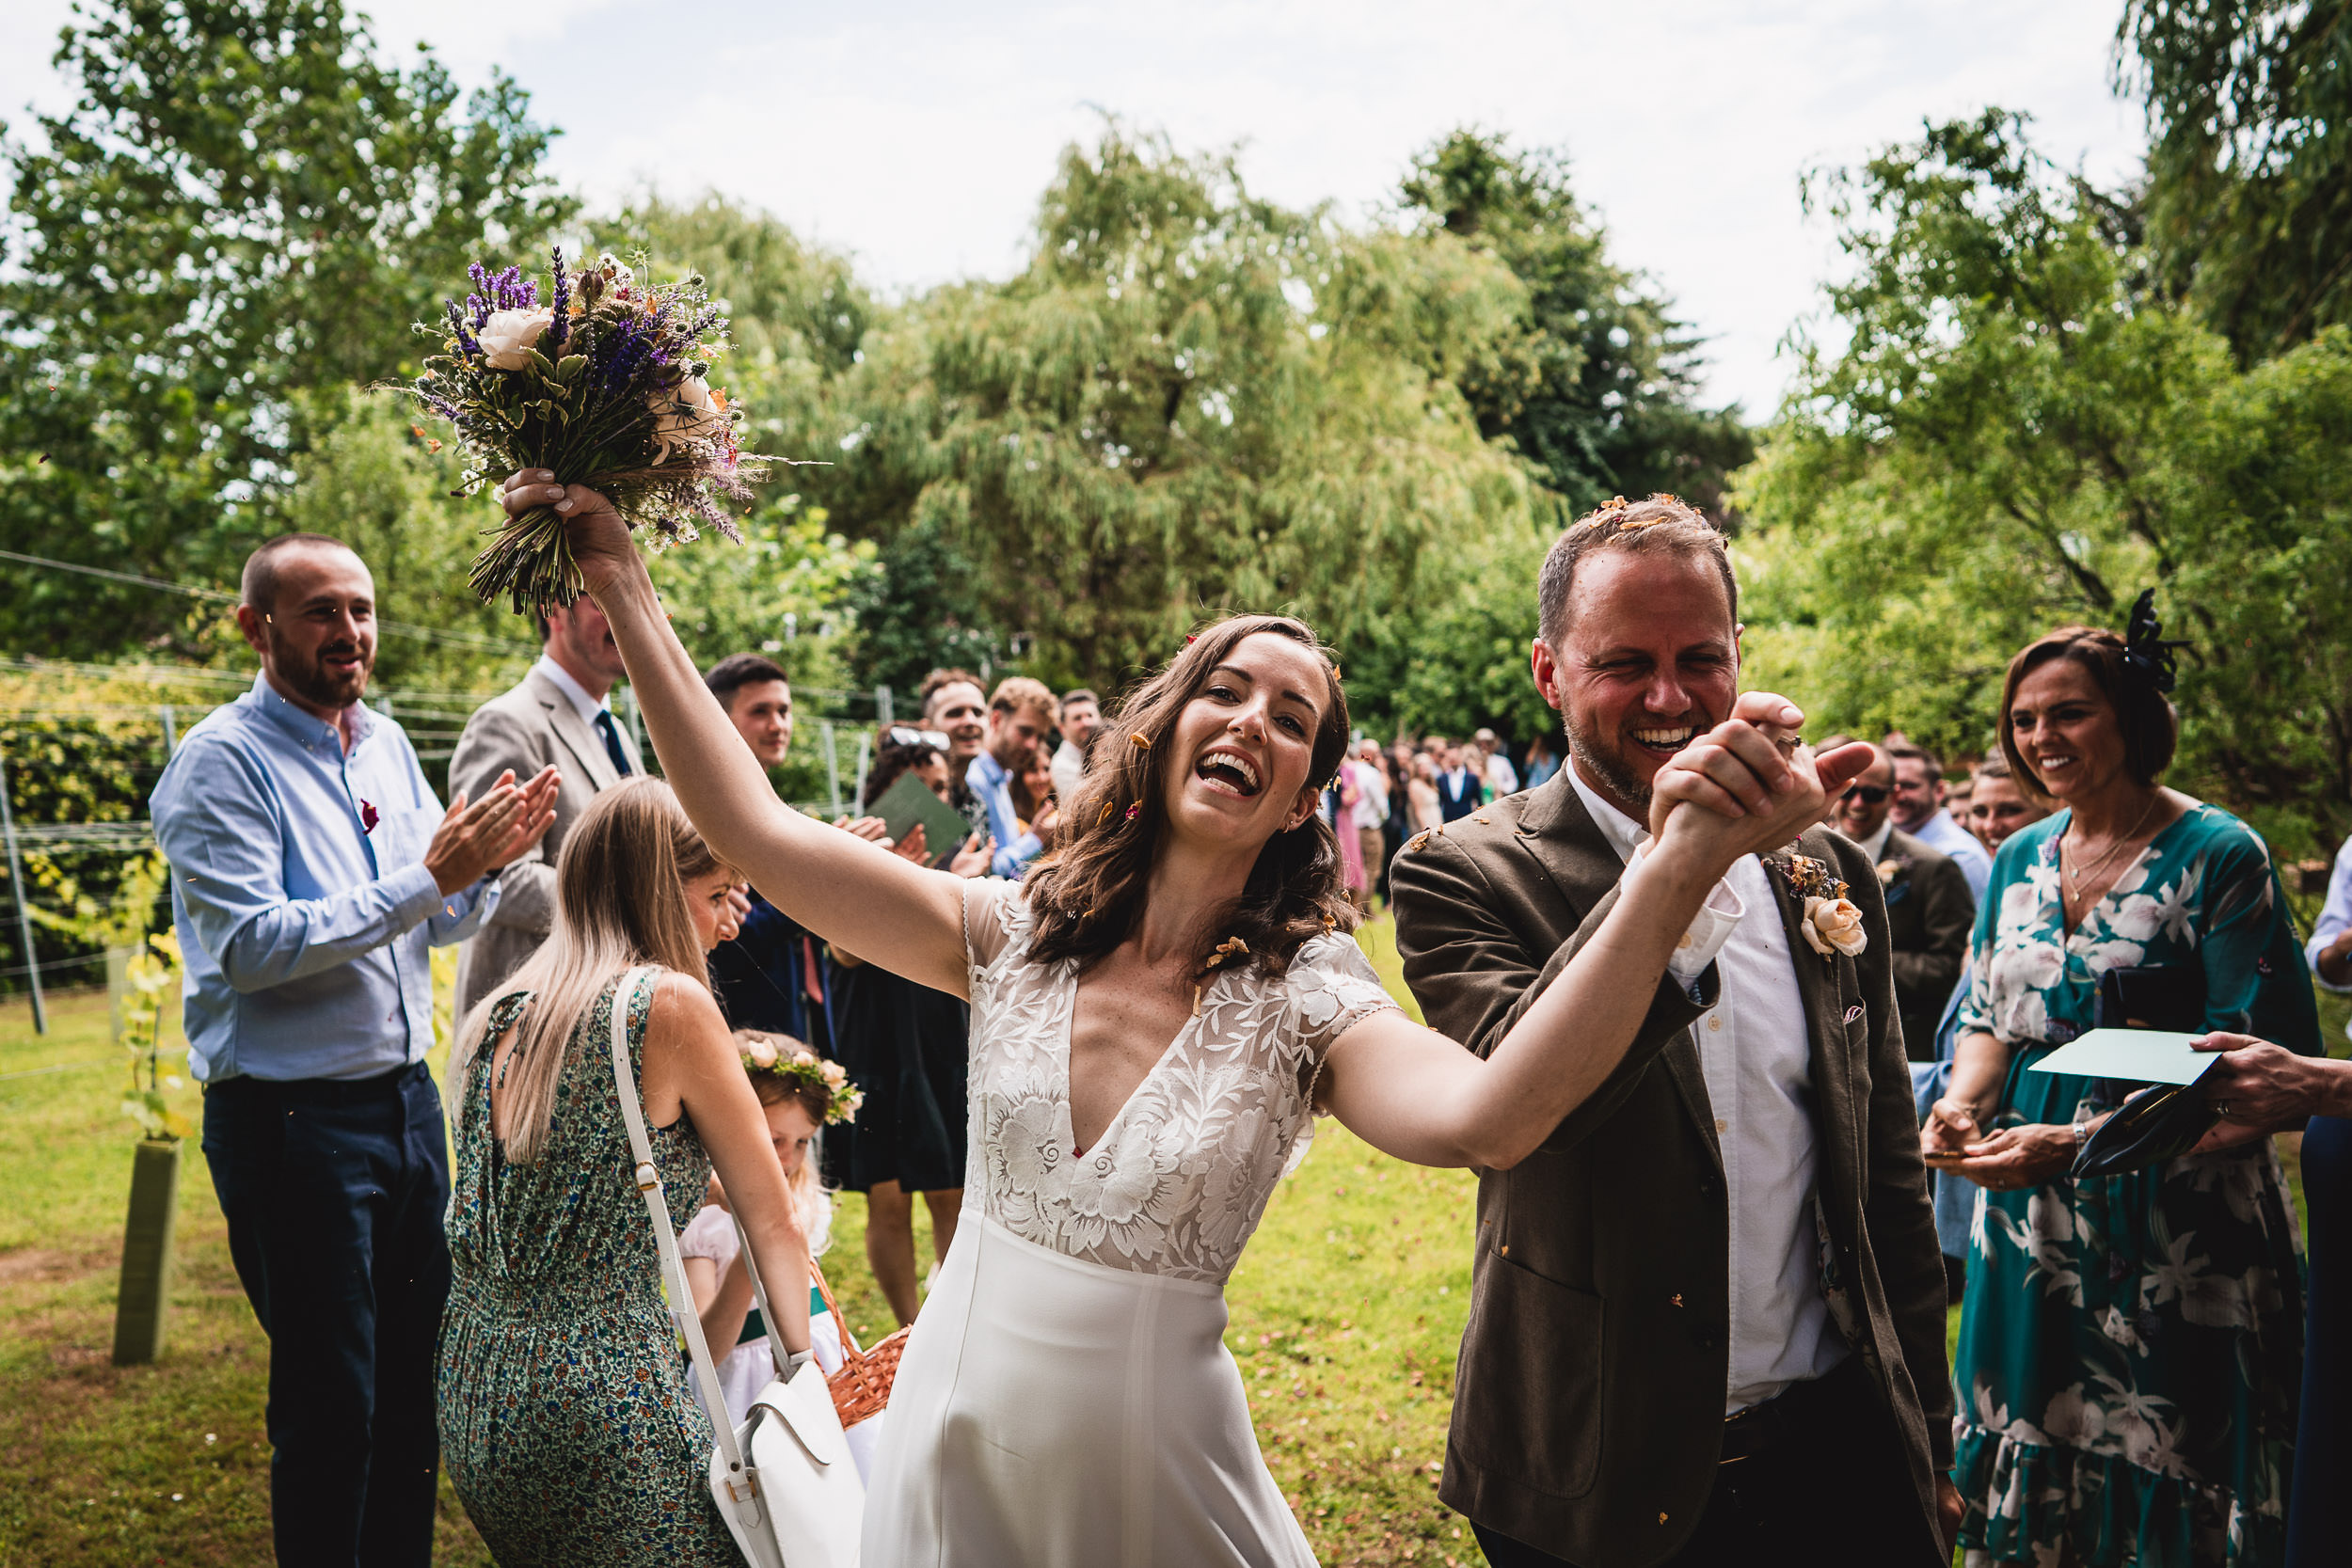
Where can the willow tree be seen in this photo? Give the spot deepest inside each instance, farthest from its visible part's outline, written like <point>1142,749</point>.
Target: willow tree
<point>1190,400</point>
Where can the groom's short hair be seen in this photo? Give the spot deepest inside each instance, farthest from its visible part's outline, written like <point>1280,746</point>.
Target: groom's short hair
<point>1662,524</point>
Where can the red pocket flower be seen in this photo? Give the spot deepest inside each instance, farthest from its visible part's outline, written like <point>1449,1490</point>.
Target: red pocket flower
<point>369,816</point>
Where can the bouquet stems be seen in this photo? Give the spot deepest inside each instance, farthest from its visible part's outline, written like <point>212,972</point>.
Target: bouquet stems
<point>530,560</point>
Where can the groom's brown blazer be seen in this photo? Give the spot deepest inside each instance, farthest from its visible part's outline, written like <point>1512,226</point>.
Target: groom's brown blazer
<point>1588,1404</point>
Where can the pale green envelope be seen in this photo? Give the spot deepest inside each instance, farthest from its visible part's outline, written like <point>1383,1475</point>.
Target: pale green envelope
<point>2135,1055</point>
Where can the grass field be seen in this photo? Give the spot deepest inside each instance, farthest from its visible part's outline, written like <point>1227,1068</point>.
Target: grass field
<point>1345,1316</point>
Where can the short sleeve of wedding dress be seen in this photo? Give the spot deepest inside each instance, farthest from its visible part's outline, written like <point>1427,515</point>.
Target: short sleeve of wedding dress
<point>988,902</point>
<point>1332,989</point>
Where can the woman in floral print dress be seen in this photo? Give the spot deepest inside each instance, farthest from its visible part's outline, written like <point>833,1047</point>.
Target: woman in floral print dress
<point>2130,1345</point>
<point>566,1423</point>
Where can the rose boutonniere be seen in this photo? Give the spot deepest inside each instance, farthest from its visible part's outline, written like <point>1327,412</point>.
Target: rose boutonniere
<point>1832,924</point>
<point>1888,871</point>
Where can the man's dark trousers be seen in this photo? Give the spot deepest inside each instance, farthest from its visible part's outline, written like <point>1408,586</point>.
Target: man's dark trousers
<point>1823,1485</point>
<point>334,1191</point>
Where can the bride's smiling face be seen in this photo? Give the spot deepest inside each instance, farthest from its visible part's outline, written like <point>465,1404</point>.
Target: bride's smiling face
<point>1241,748</point>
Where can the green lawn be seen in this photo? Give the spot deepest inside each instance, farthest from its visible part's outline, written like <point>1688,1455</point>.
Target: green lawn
<point>1345,1319</point>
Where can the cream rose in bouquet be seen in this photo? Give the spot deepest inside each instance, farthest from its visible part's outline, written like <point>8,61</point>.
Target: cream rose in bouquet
<point>604,383</point>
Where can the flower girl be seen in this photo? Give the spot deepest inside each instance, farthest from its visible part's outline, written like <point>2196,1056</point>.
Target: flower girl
<point>798,1093</point>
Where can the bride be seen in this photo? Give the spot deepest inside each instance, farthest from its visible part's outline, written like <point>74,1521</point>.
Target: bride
<point>1157,1014</point>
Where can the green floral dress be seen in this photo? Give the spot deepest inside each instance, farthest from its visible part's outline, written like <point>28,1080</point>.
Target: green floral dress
<point>2130,1346</point>
<point>566,1423</point>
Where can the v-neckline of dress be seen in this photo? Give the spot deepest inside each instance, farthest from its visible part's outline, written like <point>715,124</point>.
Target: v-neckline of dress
<point>2068,935</point>
<point>1119,1117</point>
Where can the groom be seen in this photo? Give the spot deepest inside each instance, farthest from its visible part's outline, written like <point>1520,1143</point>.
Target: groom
<point>1706,1320</point>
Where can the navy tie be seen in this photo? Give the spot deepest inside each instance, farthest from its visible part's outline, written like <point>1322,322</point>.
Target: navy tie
<point>611,730</point>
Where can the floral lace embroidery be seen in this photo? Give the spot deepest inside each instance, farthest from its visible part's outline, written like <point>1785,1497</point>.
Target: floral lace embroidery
<point>1180,1178</point>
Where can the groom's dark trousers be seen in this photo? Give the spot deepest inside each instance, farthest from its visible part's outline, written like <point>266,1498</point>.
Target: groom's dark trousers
<point>1588,1413</point>
<point>334,1190</point>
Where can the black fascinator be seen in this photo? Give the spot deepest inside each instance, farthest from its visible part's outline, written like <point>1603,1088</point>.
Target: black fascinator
<point>2144,648</point>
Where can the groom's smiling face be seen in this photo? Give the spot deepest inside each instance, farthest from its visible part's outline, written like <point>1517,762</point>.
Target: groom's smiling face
<point>1648,659</point>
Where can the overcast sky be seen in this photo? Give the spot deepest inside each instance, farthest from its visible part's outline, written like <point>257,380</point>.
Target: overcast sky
<point>918,136</point>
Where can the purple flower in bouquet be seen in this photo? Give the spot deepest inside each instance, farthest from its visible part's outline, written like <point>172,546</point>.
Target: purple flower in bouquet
<point>606,385</point>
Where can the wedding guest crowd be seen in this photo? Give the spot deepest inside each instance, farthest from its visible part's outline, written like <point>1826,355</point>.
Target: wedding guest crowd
<point>2135,1351</point>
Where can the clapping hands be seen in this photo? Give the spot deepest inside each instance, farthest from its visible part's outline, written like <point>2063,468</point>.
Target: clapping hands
<point>487,835</point>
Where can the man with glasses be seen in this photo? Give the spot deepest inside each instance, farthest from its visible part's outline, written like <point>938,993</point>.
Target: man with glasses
<point>1928,908</point>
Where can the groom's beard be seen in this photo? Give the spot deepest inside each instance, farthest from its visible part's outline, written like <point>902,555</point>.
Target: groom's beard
<point>1609,770</point>
<point>1610,766</point>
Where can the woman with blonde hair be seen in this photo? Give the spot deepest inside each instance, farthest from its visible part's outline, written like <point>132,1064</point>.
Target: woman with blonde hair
<point>566,1423</point>
<point>1158,1011</point>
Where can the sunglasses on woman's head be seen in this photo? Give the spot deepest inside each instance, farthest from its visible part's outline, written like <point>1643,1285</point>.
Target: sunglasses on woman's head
<point>902,735</point>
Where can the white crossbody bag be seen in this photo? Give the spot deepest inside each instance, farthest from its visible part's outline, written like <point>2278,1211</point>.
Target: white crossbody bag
<point>782,1477</point>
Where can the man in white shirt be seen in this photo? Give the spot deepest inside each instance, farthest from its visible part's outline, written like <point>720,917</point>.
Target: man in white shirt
<point>1918,810</point>
<point>1495,765</point>
<point>560,715</point>
<point>1081,715</point>
<point>1707,1316</point>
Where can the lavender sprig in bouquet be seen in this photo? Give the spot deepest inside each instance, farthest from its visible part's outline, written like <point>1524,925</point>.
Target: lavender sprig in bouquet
<point>604,385</point>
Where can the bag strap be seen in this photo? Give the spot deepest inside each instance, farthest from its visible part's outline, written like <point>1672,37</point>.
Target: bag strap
<point>648,1177</point>
<point>786,1363</point>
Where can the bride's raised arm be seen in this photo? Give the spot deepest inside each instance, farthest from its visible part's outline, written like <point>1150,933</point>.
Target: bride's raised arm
<point>1415,1094</point>
<point>845,888</point>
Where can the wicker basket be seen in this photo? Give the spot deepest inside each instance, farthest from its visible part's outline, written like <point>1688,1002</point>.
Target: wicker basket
<point>861,1389</point>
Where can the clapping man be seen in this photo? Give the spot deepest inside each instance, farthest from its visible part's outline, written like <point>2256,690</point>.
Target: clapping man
<point>311,869</point>
<point>1706,1323</point>
<point>560,716</point>
<point>1918,810</point>
<point>1081,716</point>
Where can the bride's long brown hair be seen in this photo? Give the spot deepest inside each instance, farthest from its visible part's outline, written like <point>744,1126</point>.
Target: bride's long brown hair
<point>1089,893</point>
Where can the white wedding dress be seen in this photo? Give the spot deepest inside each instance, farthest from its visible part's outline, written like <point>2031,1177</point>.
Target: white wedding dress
<point>1065,1400</point>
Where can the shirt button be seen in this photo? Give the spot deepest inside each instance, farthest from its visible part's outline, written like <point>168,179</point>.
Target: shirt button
<point>1722,1125</point>
<point>1714,1021</point>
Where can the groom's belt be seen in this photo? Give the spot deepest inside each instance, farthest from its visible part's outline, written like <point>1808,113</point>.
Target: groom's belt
<point>1791,1414</point>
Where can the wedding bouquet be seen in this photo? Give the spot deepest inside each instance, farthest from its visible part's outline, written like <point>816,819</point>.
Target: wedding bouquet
<point>603,385</point>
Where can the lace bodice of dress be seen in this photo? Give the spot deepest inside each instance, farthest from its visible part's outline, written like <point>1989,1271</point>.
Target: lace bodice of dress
<point>1179,1178</point>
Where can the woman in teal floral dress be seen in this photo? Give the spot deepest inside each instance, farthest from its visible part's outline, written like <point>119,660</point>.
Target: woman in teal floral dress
<point>2130,1346</point>
<point>566,1420</point>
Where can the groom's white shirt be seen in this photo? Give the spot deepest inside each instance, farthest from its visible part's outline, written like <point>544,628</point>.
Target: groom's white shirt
<point>1755,1054</point>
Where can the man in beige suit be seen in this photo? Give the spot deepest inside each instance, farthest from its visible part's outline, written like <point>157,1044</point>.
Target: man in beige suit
<point>559,715</point>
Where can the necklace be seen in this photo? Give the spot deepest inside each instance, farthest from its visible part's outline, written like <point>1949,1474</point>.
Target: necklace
<point>2075,874</point>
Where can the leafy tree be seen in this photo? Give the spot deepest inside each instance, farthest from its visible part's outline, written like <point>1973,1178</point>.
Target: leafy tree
<point>1190,399</point>
<point>2248,201</point>
<point>1598,383</point>
<point>247,202</point>
<point>2016,436</point>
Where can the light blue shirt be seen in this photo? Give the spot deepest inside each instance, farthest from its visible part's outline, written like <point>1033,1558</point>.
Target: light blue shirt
<point>305,932</point>
<point>1943,835</point>
<point>2334,916</point>
<point>1015,849</point>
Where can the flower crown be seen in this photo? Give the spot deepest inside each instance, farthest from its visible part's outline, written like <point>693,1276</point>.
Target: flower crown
<point>796,1064</point>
